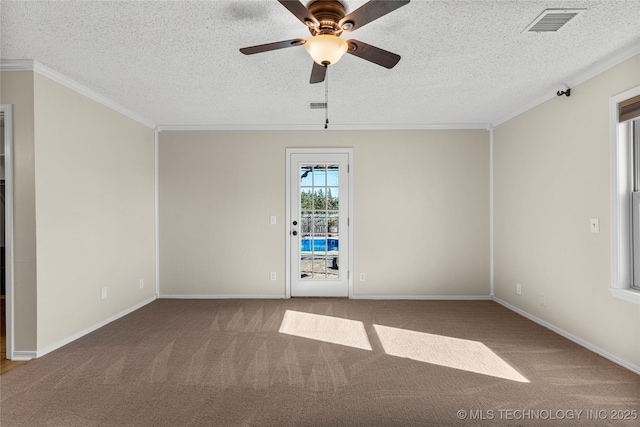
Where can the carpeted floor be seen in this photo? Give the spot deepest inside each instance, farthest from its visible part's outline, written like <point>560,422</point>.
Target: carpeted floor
<point>320,362</point>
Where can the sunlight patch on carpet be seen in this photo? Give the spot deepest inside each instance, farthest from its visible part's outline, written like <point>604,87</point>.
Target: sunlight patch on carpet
<point>467,355</point>
<point>334,330</point>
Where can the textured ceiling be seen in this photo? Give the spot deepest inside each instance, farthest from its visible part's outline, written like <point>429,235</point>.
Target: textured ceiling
<point>177,62</point>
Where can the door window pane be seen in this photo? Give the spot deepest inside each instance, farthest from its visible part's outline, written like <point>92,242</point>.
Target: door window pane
<point>319,213</point>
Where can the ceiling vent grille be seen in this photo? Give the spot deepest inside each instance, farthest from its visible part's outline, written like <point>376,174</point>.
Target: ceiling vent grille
<point>318,105</point>
<point>552,20</point>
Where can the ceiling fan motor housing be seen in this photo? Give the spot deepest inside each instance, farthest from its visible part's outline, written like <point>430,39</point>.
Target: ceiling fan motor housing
<point>329,13</point>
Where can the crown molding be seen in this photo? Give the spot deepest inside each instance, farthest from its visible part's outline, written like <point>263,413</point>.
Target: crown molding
<point>592,72</point>
<point>320,127</point>
<point>31,65</point>
<point>16,65</point>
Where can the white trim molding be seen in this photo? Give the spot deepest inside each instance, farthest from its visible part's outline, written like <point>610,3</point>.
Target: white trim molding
<point>23,356</point>
<point>90,329</point>
<point>604,353</point>
<point>220,296</point>
<point>423,297</point>
<point>7,111</point>
<point>491,215</point>
<point>601,67</point>
<point>156,204</point>
<point>629,295</point>
<point>320,127</point>
<point>355,296</point>
<point>17,65</point>
<point>31,65</point>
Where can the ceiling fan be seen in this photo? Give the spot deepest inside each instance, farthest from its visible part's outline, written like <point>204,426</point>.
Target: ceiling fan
<point>327,20</point>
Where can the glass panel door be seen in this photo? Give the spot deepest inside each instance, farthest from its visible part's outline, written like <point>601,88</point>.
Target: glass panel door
<point>319,237</point>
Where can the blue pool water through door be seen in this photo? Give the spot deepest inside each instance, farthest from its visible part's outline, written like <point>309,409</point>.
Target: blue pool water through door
<point>319,245</point>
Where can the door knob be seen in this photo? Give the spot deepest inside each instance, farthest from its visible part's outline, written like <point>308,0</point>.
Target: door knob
<point>294,232</point>
<point>295,222</point>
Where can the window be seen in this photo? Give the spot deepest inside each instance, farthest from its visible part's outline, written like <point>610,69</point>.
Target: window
<point>634,132</point>
<point>625,167</point>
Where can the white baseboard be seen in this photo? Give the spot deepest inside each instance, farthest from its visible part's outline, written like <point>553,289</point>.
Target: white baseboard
<point>359,296</point>
<point>423,297</point>
<point>223,296</point>
<point>90,329</point>
<point>28,355</point>
<point>604,353</point>
<point>23,355</point>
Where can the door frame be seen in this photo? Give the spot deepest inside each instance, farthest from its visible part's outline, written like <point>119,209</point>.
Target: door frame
<point>328,150</point>
<point>7,110</point>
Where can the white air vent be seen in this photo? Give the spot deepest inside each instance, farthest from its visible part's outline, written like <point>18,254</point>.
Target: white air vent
<point>552,20</point>
<point>318,105</point>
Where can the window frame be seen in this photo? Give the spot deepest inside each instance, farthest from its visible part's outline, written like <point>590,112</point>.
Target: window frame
<point>635,202</point>
<point>622,164</point>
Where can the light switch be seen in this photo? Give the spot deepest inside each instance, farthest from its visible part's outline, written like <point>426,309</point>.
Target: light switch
<point>272,220</point>
<point>595,225</point>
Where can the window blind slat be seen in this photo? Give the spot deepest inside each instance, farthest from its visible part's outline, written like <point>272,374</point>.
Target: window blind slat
<point>629,109</point>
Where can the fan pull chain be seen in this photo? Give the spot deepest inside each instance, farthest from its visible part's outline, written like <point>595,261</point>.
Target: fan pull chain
<point>326,98</point>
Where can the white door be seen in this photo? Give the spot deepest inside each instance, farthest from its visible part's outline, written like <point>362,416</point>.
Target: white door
<point>319,223</point>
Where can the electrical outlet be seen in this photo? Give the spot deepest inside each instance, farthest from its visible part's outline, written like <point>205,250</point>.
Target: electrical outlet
<point>141,283</point>
<point>272,275</point>
<point>543,300</point>
<point>103,293</point>
<point>272,220</point>
<point>362,277</point>
<point>518,289</point>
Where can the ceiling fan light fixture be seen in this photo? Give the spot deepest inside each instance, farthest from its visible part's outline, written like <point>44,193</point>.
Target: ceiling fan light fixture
<point>326,48</point>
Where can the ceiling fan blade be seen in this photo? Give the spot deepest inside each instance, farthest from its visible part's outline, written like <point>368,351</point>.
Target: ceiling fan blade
<point>271,46</point>
<point>373,54</point>
<point>370,11</point>
<point>318,73</point>
<point>300,11</point>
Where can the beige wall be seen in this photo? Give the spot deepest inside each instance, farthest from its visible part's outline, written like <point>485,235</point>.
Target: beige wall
<point>421,208</point>
<point>17,89</point>
<point>94,211</point>
<point>421,211</point>
<point>551,175</point>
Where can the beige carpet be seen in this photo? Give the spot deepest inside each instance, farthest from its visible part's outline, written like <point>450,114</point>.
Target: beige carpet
<point>319,362</point>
